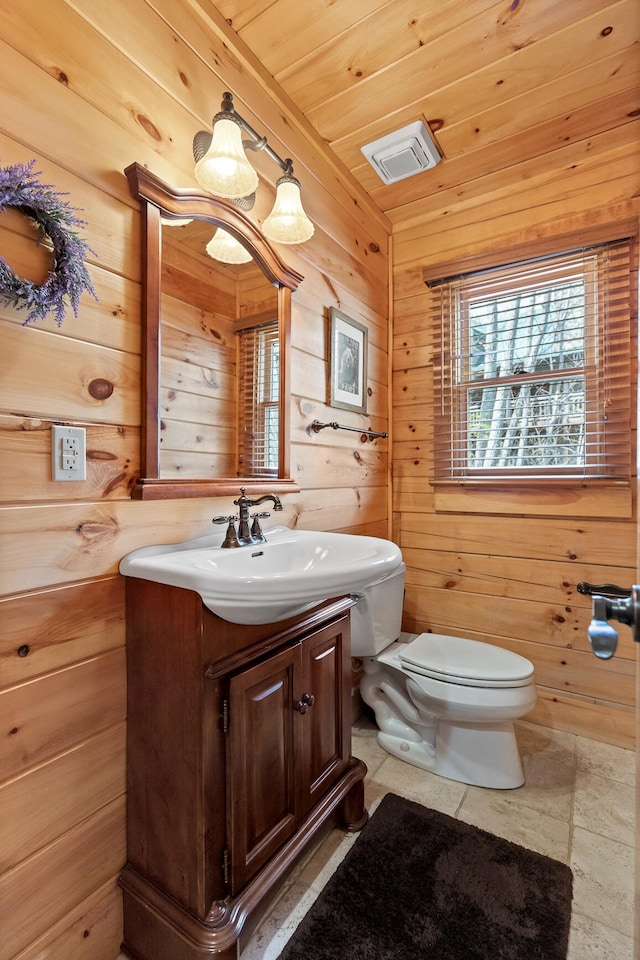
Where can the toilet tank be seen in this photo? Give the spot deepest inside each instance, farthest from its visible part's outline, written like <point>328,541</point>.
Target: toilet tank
<point>376,620</point>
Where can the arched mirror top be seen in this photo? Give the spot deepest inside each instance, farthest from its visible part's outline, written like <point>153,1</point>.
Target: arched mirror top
<point>181,203</point>
<point>168,478</point>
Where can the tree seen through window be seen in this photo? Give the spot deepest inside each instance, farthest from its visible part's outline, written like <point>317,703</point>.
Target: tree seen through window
<point>526,391</point>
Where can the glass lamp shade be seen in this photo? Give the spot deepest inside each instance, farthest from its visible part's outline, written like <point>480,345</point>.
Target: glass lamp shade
<point>287,222</point>
<point>227,249</point>
<point>224,169</point>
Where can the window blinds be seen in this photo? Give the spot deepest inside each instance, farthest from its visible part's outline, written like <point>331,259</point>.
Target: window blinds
<point>258,400</point>
<point>532,369</point>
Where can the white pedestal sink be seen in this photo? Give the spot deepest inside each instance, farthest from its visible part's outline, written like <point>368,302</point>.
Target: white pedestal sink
<point>263,583</point>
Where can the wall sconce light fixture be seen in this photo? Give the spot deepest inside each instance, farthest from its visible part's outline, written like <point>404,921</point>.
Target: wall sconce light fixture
<point>222,168</point>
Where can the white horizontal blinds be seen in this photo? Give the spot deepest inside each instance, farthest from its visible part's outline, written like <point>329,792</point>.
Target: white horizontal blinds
<point>258,400</point>
<point>533,371</point>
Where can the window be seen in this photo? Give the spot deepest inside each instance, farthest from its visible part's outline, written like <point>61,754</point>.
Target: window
<point>258,400</point>
<point>533,369</point>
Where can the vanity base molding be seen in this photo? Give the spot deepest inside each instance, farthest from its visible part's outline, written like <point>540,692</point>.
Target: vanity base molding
<point>158,928</point>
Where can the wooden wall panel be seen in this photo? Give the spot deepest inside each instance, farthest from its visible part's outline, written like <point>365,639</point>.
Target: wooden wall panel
<point>113,460</point>
<point>112,320</point>
<point>585,717</point>
<point>77,375</point>
<point>494,575</point>
<point>48,630</point>
<point>319,467</point>
<point>90,931</point>
<point>560,162</point>
<point>87,90</point>
<point>63,791</point>
<point>491,564</point>
<point>49,715</point>
<point>41,890</point>
<point>547,539</point>
<point>612,177</point>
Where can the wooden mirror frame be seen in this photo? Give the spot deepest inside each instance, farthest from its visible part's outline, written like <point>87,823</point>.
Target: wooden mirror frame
<point>157,199</point>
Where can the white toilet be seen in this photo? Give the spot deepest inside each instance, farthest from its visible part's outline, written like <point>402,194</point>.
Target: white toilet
<point>445,704</point>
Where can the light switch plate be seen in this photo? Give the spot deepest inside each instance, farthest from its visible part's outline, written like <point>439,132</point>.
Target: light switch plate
<point>68,453</point>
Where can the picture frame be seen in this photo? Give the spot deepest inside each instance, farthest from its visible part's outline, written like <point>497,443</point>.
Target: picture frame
<point>347,362</point>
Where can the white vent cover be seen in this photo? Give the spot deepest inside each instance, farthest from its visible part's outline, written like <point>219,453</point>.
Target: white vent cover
<point>403,153</point>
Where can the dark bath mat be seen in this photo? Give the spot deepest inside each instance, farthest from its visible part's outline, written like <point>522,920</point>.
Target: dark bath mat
<point>420,885</point>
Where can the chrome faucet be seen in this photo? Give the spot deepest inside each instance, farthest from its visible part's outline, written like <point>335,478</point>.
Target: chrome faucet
<point>246,535</point>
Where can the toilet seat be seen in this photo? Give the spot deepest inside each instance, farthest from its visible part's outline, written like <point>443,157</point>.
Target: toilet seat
<point>470,663</point>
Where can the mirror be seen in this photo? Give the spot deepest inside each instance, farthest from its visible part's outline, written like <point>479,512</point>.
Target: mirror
<point>206,325</point>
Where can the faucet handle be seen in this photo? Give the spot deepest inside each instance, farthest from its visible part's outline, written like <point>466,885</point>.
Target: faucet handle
<point>256,529</point>
<point>231,536</point>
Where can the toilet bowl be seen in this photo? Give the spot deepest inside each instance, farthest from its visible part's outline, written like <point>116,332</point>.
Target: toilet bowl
<point>442,703</point>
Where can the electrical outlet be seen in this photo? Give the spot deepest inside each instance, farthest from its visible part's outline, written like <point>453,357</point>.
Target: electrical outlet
<point>68,453</point>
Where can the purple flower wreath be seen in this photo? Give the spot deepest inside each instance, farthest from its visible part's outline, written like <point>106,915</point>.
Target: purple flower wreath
<point>55,218</point>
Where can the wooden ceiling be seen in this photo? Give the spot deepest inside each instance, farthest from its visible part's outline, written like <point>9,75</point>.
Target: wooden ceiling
<point>502,86</point>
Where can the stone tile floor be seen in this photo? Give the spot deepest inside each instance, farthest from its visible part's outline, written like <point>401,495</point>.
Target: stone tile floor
<point>577,805</point>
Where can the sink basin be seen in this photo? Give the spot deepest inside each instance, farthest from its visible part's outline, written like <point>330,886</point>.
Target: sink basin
<point>292,572</point>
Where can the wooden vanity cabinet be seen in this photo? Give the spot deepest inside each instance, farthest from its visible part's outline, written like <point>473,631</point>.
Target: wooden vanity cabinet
<point>288,743</point>
<point>239,752</point>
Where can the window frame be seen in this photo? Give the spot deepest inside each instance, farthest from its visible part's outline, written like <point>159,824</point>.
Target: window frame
<point>451,421</point>
<point>464,383</point>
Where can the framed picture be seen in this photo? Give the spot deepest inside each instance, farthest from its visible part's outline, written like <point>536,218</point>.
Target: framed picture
<point>347,363</point>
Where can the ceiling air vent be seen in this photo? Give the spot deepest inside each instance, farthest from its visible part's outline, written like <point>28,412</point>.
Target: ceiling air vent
<point>403,153</point>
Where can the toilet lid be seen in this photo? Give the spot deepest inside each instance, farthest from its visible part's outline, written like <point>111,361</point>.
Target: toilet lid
<point>466,662</point>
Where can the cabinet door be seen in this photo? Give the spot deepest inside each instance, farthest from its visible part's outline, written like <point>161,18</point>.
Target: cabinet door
<point>261,751</point>
<point>327,731</point>
<point>288,742</point>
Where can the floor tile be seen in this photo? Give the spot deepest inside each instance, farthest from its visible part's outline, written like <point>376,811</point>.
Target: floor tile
<point>367,749</point>
<point>549,784</point>
<point>504,817</point>
<point>604,806</point>
<point>269,940</point>
<point>616,763</point>
<point>554,744</point>
<point>326,859</point>
<point>411,782</point>
<point>603,880</point>
<point>593,941</point>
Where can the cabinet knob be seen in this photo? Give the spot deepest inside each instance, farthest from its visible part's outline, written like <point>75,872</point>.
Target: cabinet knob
<point>307,700</point>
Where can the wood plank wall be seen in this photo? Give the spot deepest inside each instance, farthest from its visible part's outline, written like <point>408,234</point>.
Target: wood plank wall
<point>88,88</point>
<point>484,564</point>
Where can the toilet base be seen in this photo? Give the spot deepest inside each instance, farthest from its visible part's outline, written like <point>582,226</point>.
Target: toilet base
<point>484,755</point>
